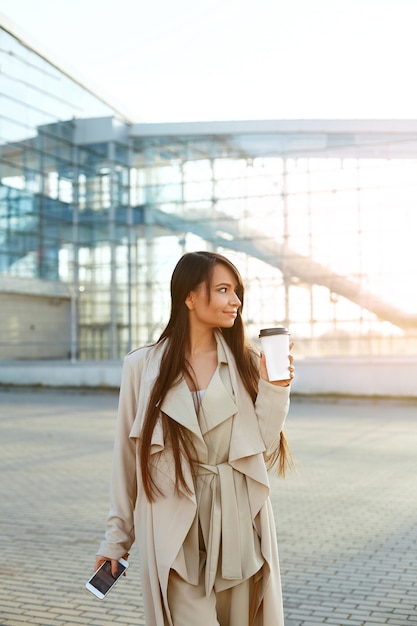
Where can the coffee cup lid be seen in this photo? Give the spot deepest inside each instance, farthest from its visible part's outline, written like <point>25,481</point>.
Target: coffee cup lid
<point>278,330</point>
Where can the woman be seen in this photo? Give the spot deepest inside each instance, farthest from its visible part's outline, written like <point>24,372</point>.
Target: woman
<point>197,423</point>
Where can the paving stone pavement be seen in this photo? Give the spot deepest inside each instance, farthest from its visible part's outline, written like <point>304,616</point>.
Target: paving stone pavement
<point>346,518</point>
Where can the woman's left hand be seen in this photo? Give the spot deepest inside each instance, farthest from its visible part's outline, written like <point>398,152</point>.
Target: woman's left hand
<point>279,383</point>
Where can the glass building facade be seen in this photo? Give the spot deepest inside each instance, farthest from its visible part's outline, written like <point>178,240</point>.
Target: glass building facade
<point>319,216</point>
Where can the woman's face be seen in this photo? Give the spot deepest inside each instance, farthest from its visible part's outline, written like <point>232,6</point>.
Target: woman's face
<point>220,310</point>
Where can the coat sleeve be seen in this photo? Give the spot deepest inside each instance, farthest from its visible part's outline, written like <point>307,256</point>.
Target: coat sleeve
<point>271,407</point>
<point>120,533</point>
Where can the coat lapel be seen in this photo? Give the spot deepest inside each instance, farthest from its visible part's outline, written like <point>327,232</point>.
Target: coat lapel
<point>179,405</point>
<point>218,405</point>
<point>246,442</point>
<point>246,438</point>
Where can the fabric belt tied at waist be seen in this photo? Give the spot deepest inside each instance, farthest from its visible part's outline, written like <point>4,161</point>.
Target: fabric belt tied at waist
<point>224,525</point>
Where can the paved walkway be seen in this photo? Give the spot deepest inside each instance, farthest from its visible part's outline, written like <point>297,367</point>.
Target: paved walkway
<point>346,519</point>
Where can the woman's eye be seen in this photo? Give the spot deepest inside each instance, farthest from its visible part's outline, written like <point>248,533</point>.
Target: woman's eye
<point>222,289</point>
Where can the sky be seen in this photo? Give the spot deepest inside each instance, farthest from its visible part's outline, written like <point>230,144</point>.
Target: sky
<point>196,60</point>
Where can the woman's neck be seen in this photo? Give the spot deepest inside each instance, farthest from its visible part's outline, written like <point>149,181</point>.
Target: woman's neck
<point>202,359</point>
<point>201,342</point>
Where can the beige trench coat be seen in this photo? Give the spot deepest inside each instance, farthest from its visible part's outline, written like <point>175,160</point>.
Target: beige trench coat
<point>161,527</point>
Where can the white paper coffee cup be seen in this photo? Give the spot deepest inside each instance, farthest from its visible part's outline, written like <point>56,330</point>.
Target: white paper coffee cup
<point>275,344</point>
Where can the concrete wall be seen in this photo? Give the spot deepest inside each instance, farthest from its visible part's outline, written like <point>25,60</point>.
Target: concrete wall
<point>372,377</point>
<point>362,376</point>
<point>34,326</point>
<point>61,373</point>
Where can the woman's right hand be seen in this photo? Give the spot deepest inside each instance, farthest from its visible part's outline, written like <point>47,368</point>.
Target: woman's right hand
<point>101,559</point>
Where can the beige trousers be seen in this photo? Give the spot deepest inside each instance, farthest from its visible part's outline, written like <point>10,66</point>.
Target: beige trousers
<point>189,604</point>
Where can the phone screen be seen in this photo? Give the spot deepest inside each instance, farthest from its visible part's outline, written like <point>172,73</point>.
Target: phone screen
<point>103,579</point>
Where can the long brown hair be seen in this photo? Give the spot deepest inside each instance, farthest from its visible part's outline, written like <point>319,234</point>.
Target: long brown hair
<point>191,270</point>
